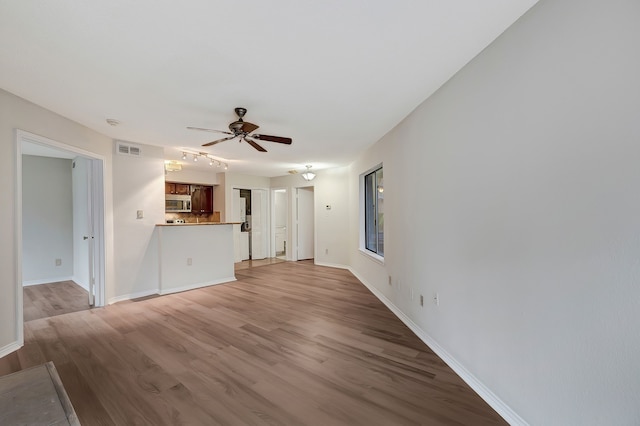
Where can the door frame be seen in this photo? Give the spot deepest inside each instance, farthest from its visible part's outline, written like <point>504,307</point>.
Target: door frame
<point>97,206</point>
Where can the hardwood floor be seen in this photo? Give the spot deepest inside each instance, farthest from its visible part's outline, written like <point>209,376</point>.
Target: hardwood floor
<point>48,300</point>
<point>287,344</point>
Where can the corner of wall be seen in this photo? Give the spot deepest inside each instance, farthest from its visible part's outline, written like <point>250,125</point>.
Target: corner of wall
<point>474,383</point>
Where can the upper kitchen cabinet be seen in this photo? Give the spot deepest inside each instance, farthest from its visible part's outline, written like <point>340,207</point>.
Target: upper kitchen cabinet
<point>177,188</point>
<point>201,199</point>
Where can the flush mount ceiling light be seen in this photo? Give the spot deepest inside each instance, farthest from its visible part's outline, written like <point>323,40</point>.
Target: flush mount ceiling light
<point>172,166</point>
<point>308,175</point>
<point>184,155</point>
<point>112,122</point>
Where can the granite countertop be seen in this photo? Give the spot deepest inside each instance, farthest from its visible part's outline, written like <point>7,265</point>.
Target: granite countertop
<point>198,223</point>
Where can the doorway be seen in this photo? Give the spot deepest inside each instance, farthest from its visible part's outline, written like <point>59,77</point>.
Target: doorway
<point>74,277</point>
<point>249,207</point>
<point>280,209</point>
<point>305,223</point>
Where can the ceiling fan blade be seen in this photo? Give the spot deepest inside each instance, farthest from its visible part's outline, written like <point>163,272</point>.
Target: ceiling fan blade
<point>255,145</point>
<point>249,127</point>
<point>208,130</point>
<point>278,139</point>
<point>219,140</point>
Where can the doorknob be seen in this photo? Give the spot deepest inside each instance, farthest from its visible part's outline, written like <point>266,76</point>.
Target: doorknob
<point>85,238</point>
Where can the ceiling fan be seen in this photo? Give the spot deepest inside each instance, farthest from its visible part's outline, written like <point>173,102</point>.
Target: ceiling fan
<point>242,129</point>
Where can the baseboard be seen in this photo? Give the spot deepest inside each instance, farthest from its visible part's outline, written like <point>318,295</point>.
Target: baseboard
<point>199,285</point>
<point>131,296</point>
<point>330,265</point>
<point>86,287</point>
<point>7,349</point>
<point>46,281</point>
<point>485,393</point>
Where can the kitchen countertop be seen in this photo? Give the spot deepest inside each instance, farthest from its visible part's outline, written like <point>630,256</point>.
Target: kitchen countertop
<point>199,223</point>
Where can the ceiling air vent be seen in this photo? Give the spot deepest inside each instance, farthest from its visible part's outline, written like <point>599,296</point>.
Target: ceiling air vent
<point>126,148</point>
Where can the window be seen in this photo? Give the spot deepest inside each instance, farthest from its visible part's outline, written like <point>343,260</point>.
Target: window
<point>374,211</point>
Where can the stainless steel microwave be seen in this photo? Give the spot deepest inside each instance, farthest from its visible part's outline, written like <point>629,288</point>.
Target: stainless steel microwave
<point>177,203</point>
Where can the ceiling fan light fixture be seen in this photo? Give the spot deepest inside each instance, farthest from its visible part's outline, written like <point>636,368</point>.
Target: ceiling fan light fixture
<point>308,175</point>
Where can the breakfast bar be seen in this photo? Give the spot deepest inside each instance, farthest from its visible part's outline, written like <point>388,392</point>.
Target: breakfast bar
<point>194,255</point>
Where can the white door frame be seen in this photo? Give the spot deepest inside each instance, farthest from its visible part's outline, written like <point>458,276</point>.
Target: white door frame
<point>97,207</point>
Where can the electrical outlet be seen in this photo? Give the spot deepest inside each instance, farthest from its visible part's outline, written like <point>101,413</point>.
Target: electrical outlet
<point>421,300</point>
<point>436,299</point>
<point>189,261</point>
<point>58,262</point>
<point>140,214</point>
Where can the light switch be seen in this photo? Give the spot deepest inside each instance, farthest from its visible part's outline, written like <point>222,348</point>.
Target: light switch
<point>140,214</point>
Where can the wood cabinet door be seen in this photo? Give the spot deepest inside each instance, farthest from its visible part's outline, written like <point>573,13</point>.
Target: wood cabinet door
<point>183,188</point>
<point>196,196</point>
<point>169,188</point>
<point>207,199</point>
<point>201,199</point>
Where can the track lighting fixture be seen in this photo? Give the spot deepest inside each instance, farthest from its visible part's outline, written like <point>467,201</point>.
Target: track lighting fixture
<point>207,157</point>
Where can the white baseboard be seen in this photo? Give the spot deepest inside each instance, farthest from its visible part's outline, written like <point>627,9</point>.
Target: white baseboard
<point>131,296</point>
<point>81,284</point>
<point>330,265</point>
<point>485,393</point>
<point>138,295</point>
<point>7,349</point>
<point>46,281</point>
<point>199,285</point>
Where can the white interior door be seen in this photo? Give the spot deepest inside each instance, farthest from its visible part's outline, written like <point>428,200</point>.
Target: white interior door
<point>90,237</point>
<point>279,216</point>
<point>81,217</point>
<point>258,224</point>
<point>304,216</point>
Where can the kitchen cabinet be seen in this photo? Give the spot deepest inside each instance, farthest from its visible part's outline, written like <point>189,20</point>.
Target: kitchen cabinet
<point>201,199</point>
<point>177,188</point>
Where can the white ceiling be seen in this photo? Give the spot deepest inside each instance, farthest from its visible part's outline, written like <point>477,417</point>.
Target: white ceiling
<point>333,75</point>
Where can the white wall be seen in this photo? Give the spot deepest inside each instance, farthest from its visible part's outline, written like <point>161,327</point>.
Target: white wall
<point>138,184</point>
<point>47,219</point>
<point>186,175</point>
<point>331,226</point>
<point>513,193</point>
<point>241,181</point>
<point>17,113</point>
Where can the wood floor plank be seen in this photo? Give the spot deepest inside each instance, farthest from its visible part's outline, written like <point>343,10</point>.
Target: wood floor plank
<point>288,343</point>
<point>48,300</point>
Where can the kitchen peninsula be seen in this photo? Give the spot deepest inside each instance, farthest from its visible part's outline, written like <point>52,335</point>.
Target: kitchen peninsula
<point>193,255</point>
